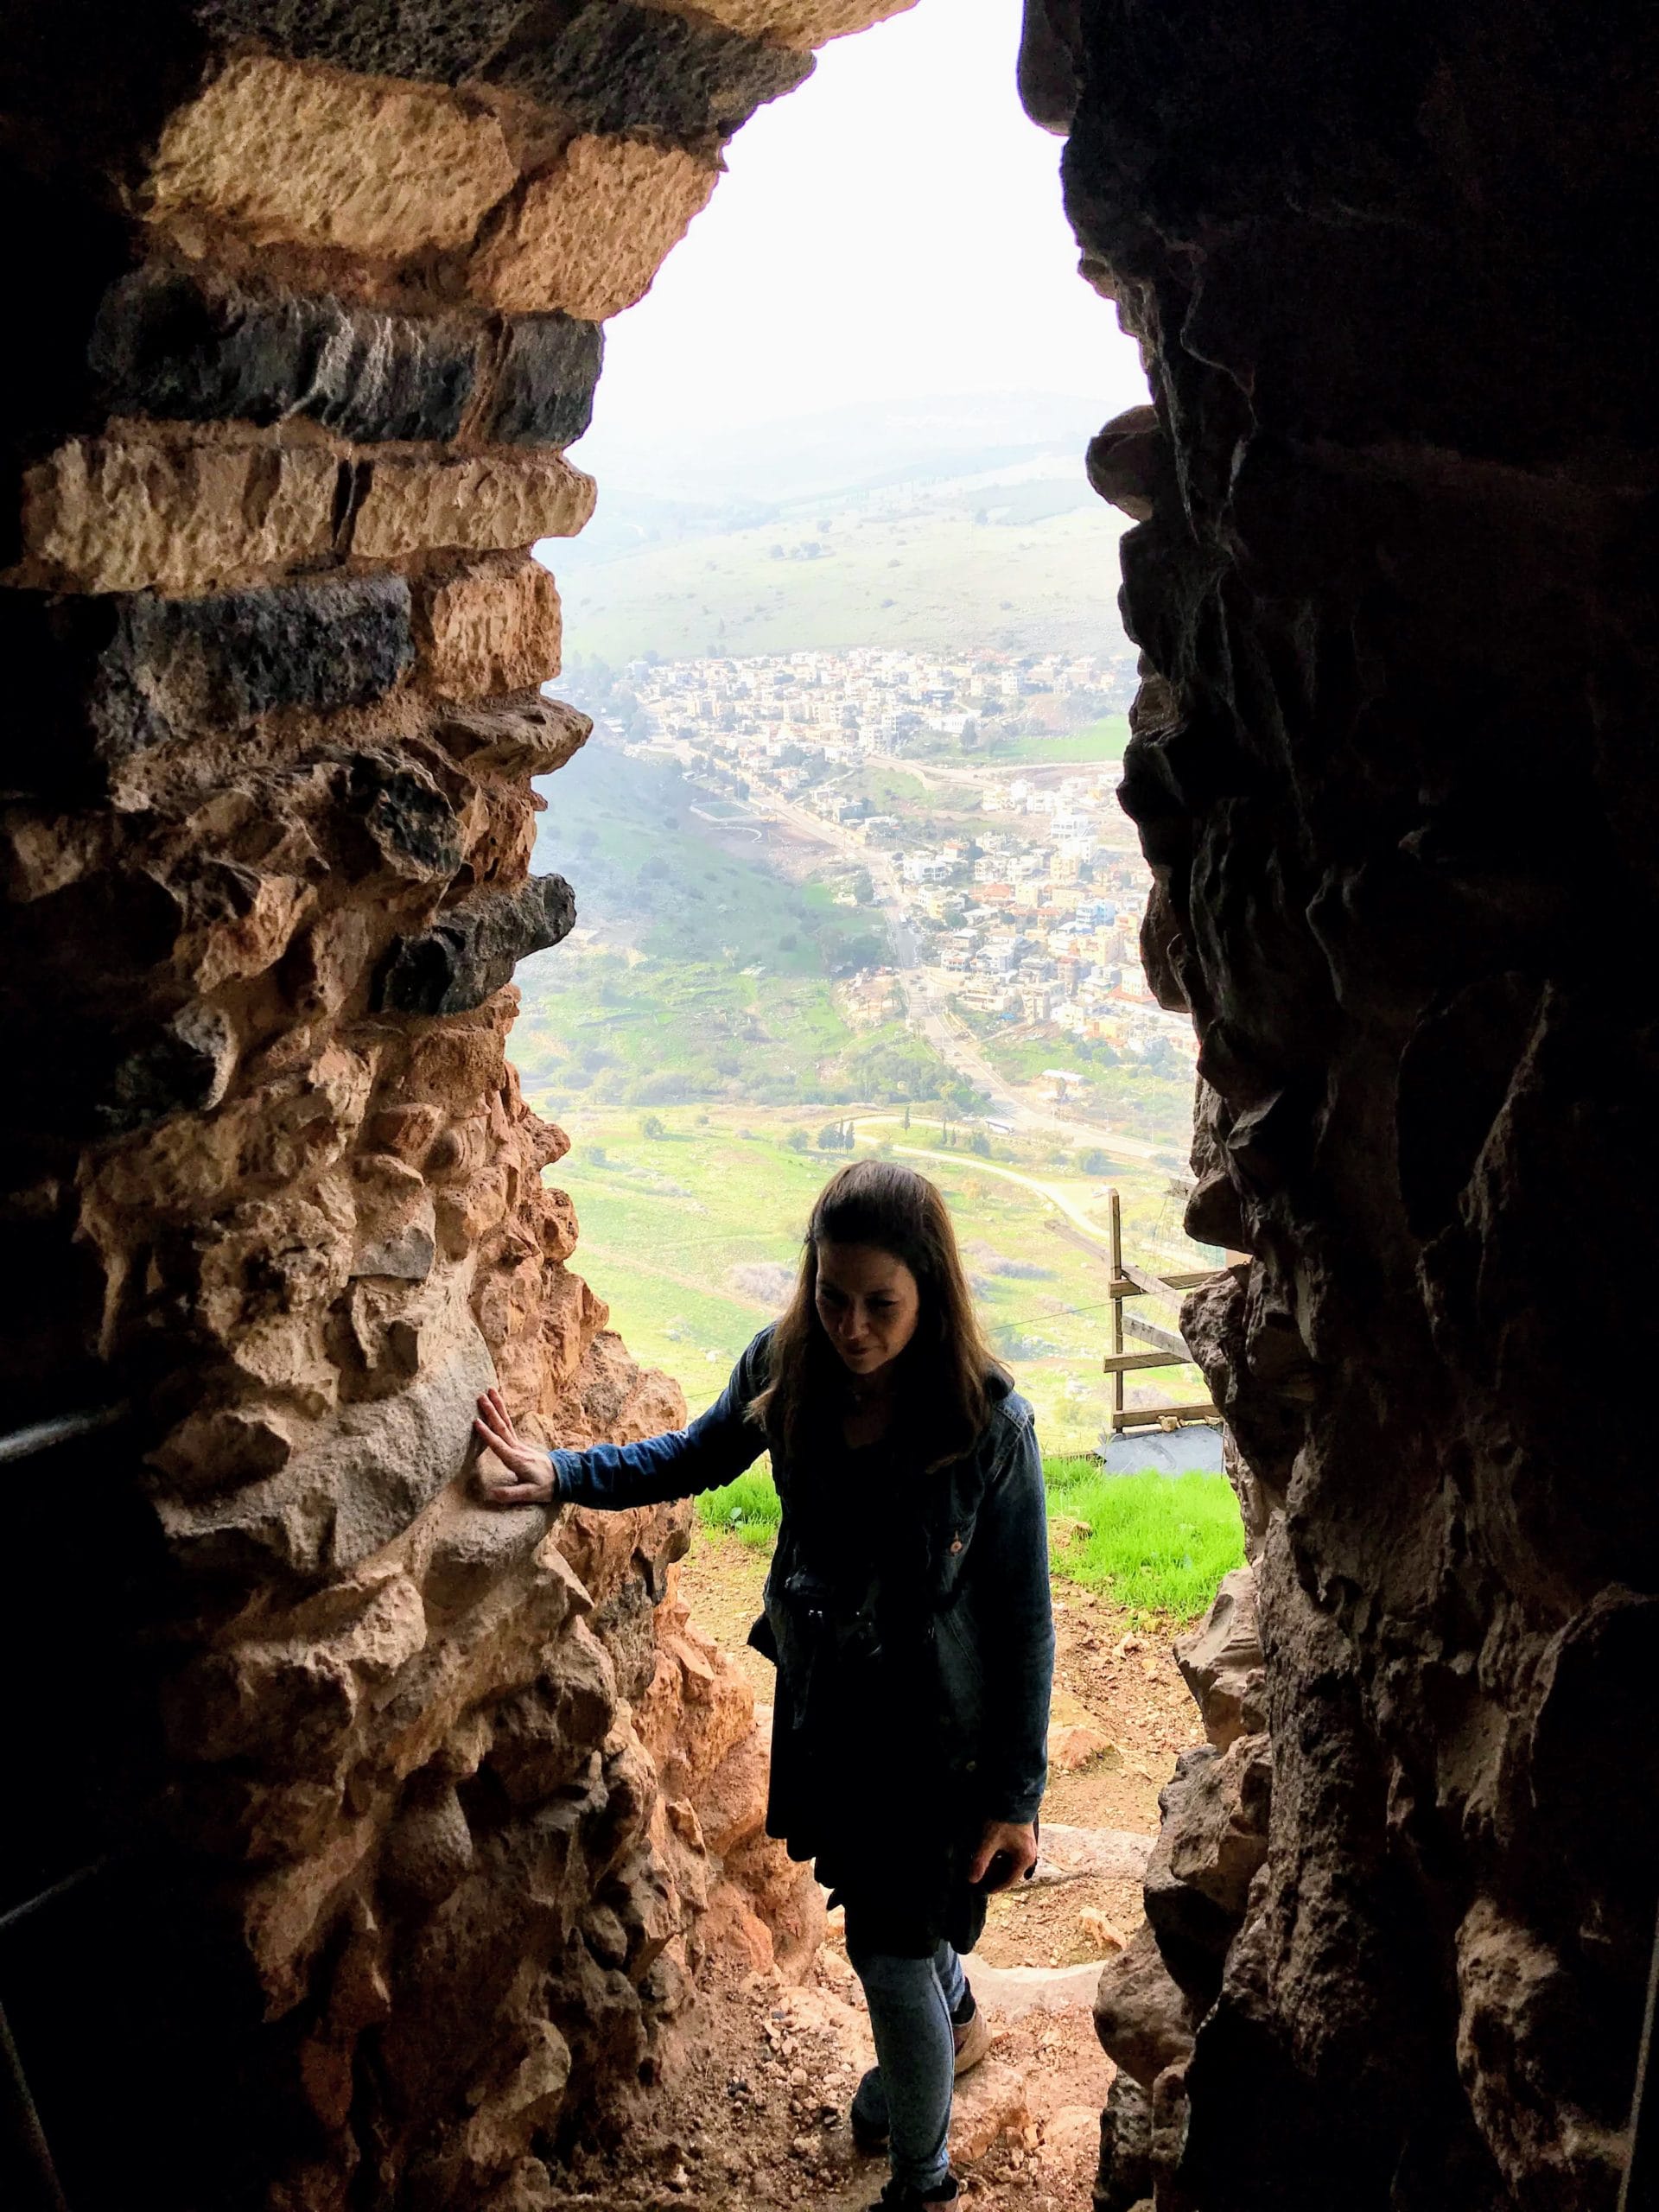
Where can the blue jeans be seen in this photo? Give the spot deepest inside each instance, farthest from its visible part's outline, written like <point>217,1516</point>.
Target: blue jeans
<point>908,2089</point>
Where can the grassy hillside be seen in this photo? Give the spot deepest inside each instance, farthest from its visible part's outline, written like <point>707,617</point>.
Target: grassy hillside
<point>934,579</point>
<point>697,973</point>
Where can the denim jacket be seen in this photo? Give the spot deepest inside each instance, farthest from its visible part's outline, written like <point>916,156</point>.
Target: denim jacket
<point>987,1597</point>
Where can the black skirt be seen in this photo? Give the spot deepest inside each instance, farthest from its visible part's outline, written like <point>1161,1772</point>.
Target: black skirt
<point>864,1787</point>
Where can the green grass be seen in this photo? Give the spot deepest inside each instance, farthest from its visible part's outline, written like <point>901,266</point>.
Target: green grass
<point>1154,1543</point>
<point>1102,741</point>
<point>747,1509</point>
<point>1157,1543</point>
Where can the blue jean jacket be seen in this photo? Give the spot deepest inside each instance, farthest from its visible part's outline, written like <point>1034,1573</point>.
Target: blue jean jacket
<point>991,1624</point>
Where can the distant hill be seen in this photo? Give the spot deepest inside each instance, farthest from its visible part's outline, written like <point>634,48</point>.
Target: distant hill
<point>948,524</point>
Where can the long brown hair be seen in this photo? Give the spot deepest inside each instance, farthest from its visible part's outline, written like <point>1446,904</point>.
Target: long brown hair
<point>948,1367</point>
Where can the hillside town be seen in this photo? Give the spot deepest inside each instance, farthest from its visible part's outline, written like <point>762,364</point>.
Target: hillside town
<point>869,703</point>
<point>1015,892</point>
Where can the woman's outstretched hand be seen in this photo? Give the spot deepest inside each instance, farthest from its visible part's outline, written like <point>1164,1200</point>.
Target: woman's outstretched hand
<point>1015,1842</point>
<point>531,1470</point>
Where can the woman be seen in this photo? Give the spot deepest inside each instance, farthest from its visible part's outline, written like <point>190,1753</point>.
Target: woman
<point>906,1611</point>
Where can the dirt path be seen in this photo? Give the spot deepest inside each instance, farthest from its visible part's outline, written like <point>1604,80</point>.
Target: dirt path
<point>754,2113</point>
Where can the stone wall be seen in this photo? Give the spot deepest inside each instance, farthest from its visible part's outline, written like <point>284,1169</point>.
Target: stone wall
<point>1394,770</point>
<point>410,1821</point>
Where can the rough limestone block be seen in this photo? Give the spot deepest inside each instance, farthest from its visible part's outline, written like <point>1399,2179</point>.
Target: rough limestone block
<point>472,950</point>
<point>1221,1663</point>
<point>532,737</point>
<point>488,626</point>
<point>590,233</point>
<point>614,66</point>
<point>381,1463</point>
<point>1141,2016</point>
<point>168,345</point>
<point>1213,1839</point>
<point>441,40</point>
<point>479,503</point>
<point>99,680</point>
<point>108,514</point>
<point>543,393</point>
<point>288,154</point>
<point>793,22</point>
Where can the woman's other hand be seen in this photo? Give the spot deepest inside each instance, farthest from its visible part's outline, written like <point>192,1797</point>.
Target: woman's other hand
<point>1015,1843</point>
<point>531,1470</point>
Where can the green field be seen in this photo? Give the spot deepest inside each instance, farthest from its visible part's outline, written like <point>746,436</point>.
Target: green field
<point>692,1237</point>
<point>1156,1543</point>
<point>940,580</point>
<point>1102,741</point>
<point>1149,1098</point>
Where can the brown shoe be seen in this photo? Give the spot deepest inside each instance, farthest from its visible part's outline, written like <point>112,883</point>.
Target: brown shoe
<point>971,2037</point>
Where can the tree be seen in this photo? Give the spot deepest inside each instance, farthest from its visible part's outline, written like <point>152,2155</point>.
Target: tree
<point>652,1126</point>
<point>829,1137</point>
<point>797,1141</point>
<point>980,1144</point>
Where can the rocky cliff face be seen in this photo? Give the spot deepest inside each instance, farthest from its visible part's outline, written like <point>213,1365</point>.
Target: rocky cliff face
<point>411,1822</point>
<point>1393,768</point>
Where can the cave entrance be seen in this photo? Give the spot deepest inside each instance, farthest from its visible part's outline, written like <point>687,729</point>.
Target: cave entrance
<point>337,1784</point>
<point>327,299</point>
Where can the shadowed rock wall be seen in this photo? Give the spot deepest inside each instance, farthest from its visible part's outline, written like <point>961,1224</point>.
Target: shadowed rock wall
<point>408,1822</point>
<point>1394,770</point>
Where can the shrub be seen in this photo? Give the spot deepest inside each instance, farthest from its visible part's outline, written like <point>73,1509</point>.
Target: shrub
<point>651,1125</point>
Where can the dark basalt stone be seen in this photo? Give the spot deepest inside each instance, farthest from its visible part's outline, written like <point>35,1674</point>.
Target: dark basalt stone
<point>184,1067</point>
<point>611,67</point>
<point>1124,2178</point>
<point>472,950</point>
<point>606,65</point>
<point>100,679</point>
<point>408,821</point>
<point>441,40</point>
<point>545,392</point>
<point>165,345</point>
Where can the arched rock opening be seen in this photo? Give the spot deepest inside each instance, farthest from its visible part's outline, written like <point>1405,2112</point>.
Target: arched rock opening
<point>386,1881</point>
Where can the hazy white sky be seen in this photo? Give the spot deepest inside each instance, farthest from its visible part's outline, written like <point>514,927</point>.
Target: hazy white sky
<point>894,230</point>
